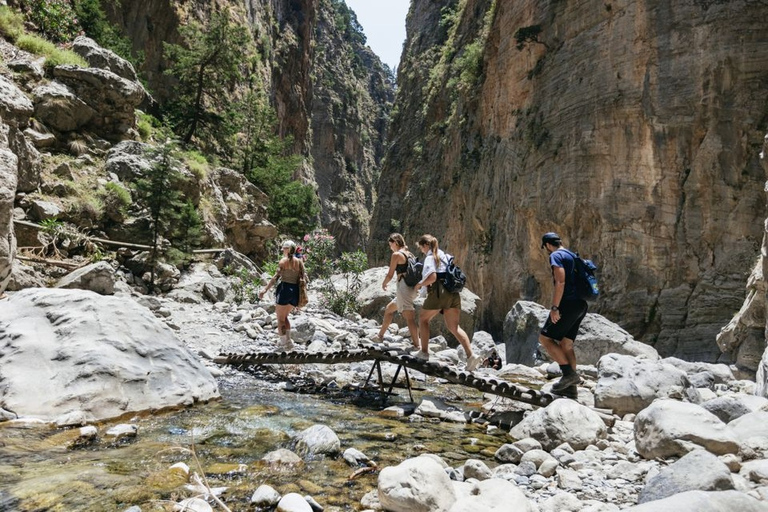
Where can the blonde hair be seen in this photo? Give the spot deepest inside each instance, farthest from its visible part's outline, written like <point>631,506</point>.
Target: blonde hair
<point>431,242</point>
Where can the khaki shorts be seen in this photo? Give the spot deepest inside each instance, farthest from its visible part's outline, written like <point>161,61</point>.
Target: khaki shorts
<point>439,298</point>
<point>404,297</point>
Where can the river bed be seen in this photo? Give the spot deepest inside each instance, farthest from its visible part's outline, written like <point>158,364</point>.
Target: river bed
<point>40,472</point>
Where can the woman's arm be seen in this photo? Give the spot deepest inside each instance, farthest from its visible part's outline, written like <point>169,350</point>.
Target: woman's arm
<point>431,278</point>
<point>392,265</point>
<point>272,281</point>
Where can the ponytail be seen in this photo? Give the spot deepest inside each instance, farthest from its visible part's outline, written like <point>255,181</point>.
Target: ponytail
<point>431,242</point>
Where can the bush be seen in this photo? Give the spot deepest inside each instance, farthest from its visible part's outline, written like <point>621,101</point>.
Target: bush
<point>54,56</point>
<point>196,163</point>
<point>54,19</point>
<point>11,24</point>
<point>244,285</point>
<point>343,300</point>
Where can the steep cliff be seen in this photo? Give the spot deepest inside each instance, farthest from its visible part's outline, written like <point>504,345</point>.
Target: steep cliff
<point>630,127</point>
<point>331,94</point>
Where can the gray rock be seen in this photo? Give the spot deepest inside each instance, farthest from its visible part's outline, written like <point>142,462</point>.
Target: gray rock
<point>703,501</point>
<point>317,440</point>
<point>562,421</point>
<point>265,496</point>
<point>628,385</point>
<point>597,337</point>
<point>668,428</point>
<point>698,470</point>
<point>59,108</point>
<point>416,485</point>
<point>494,495</point>
<point>43,210</point>
<point>96,277</point>
<point>99,57</point>
<point>730,407</point>
<point>102,355</point>
<point>477,469</point>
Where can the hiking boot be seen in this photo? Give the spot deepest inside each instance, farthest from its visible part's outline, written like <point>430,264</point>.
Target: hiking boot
<point>571,392</point>
<point>424,356</point>
<point>566,381</point>
<point>473,362</point>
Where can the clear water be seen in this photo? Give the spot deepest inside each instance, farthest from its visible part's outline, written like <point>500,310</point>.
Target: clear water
<point>39,472</point>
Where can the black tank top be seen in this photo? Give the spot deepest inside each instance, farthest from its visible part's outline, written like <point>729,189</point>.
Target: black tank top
<point>402,267</point>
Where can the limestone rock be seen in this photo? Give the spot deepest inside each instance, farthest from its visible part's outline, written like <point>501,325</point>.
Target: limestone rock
<point>99,57</point>
<point>102,355</point>
<point>562,421</point>
<point>730,407</point>
<point>597,337</point>
<point>60,109</point>
<point>317,440</point>
<point>628,385</point>
<point>703,501</point>
<point>416,485</point>
<point>494,495</point>
<point>668,428</point>
<point>696,471</point>
<point>96,277</point>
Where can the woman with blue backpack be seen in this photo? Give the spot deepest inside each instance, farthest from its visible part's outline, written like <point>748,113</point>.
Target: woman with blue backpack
<point>402,264</point>
<point>440,300</point>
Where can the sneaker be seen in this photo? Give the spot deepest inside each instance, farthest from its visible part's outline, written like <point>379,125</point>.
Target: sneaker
<point>473,362</point>
<point>566,381</point>
<point>424,356</point>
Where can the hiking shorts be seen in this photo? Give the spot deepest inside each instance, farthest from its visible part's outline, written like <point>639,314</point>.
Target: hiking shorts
<point>439,298</point>
<point>287,294</point>
<point>572,312</point>
<point>405,296</point>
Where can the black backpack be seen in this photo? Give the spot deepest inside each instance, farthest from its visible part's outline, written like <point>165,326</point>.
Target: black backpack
<point>413,272</point>
<point>454,279</point>
<point>586,281</point>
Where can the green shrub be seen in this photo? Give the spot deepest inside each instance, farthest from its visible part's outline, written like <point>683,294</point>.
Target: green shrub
<point>11,23</point>
<point>115,195</point>
<point>54,19</point>
<point>196,163</point>
<point>54,56</point>
<point>94,22</point>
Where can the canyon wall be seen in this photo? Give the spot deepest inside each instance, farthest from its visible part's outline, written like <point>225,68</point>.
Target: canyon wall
<point>632,128</point>
<point>332,95</point>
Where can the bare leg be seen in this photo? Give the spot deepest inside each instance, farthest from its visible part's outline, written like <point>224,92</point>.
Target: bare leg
<point>410,318</point>
<point>282,318</point>
<point>553,349</point>
<point>424,317</point>
<point>567,347</point>
<point>389,314</point>
<point>452,322</point>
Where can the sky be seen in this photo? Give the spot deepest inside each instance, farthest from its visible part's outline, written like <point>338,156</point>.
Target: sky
<point>383,22</point>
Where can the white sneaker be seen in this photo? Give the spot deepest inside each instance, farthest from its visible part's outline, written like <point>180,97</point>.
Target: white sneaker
<point>424,356</point>
<point>472,362</point>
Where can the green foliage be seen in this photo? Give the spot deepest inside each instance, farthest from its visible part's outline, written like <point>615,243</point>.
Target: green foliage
<point>95,24</point>
<point>55,19</point>
<point>346,22</point>
<point>188,229</point>
<point>11,24</point>
<point>342,300</point>
<point>196,163</point>
<point>244,284</point>
<point>116,199</point>
<point>207,67</point>
<point>151,128</point>
<point>54,56</point>
<point>51,226</point>
<point>469,64</point>
<point>156,190</point>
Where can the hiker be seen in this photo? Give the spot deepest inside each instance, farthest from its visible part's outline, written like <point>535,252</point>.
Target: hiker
<point>290,270</point>
<point>565,315</point>
<point>439,300</point>
<point>492,361</point>
<point>405,295</point>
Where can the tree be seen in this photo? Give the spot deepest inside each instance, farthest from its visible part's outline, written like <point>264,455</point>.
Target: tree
<point>207,66</point>
<point>163,201</point>
<point>529,34</point>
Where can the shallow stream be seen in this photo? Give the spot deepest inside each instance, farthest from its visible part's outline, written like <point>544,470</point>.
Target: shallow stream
<point>39,472</point>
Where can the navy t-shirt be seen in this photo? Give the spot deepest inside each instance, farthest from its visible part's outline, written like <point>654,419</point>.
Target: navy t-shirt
<point>561,258</point>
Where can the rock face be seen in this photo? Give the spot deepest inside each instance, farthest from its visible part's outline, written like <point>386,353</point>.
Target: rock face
<point>78,355</point>
<point>330,92</point>
<point>15,111</point>
<point>584,131</point>
<point>597,337</point>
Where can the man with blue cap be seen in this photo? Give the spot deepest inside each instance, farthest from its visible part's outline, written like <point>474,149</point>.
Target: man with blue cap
<point>565,315</point>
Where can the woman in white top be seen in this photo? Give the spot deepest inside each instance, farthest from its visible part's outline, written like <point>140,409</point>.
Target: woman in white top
<point>405,294</point>
<point>440,300</point>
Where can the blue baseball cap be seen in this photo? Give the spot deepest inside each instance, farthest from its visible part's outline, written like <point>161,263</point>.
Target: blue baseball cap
<point>549,238</point>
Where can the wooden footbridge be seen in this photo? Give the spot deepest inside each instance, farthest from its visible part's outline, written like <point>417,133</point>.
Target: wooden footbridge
<point>380,352</point>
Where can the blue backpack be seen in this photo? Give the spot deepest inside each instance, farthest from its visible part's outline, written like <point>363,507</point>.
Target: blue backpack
<point>586,281</point>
